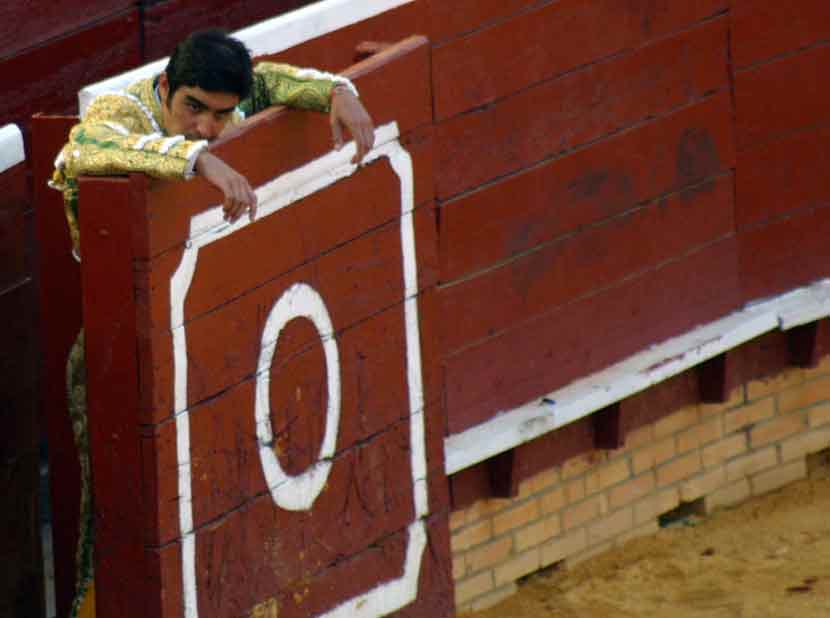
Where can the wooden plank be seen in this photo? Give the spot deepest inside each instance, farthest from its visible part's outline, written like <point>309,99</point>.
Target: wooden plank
<point>358,280</point>
<point>27,25</point>
<point>450,20</point>
<point>779,98</point>
<point>46,78</point>
<point>556,37</point>
<point>121,506</point>
<point>591,103</point>
<point>394,86</point>
<point>785,253</point>
<point>608,428</point>
<point>764,29</point>
<point>60,321</point>
<point>782,178</point>
<point>168,22</point>
<point>558,347</point>
<point>510,216</point>
<point>717,377</point>
<point>585,263</point>
<point>15,200</point>
<point>652,404</point>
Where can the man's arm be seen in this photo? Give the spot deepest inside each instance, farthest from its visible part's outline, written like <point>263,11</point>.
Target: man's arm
<point>282,84</point>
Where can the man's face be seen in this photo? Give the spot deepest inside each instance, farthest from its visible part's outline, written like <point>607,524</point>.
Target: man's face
<point>195,113</point>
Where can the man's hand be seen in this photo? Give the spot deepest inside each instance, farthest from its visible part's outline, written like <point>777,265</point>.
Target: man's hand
<point>347,112</point>
<point>239,196</point>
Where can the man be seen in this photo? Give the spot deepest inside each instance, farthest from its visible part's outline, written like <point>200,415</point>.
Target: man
<point>161,126</point>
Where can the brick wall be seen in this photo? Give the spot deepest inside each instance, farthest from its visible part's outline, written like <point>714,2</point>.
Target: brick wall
<point>719,454</point>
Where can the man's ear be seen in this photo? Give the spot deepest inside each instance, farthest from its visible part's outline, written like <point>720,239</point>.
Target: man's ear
<point>164,88</point>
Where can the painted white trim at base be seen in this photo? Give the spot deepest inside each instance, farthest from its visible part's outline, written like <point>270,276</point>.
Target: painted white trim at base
<point>11,147</point>
<point>267,37</point>
<point>511,428</point>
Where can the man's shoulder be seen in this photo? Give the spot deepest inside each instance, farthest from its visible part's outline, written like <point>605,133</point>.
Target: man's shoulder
<point>137,102</point>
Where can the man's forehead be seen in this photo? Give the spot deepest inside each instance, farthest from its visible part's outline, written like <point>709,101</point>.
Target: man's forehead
<point>213,101</point>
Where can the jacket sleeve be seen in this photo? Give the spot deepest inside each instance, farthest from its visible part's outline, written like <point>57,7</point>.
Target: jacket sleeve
<point>113,138</point>
<point>283,84</point>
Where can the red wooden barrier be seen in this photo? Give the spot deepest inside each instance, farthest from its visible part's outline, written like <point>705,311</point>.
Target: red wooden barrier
<point>199,371</point>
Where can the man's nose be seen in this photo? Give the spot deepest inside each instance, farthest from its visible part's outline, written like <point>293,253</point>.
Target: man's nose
<point>207,127</point>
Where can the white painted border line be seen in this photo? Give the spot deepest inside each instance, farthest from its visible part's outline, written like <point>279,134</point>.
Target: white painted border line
<point>267,37</point>
<point>209,226</point>
<point>511,428</point>
<point>11,147</point>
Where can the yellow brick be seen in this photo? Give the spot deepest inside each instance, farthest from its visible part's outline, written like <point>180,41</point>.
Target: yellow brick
<point>751,463</point>
<point>538,532</point>
<point>680,468</point>
<point>739,418</point>
<point>779,476</point>
<point>472,587</point>
<point>458,519</point>
<point>517,567</point>
<point>577,465</point>
<point>632,490</point>
<point>774,384</point>
<point>656,504</point>
<point>553,501</point>
<point>736,398</point>
<point>492,598</point>
<point>472,535</point>
<point>588,554</point>
<point>804,396</point>
<point>485,508</point>
<point>539,482</point>
<point>683,418</point>
<point>459,567</point>
<point>704,433</point>
<point>583,512</point>
<point>651,456</point>
<point>609,527</point>
<point>564,546</point>
<point>817,372</point>
<point>777,429</point>
<point>639,437</point>
<point>805,444</point>
<point>613,473</point>
<point>820,415</point>
<point>515,517</point>
<point>647,529</point>
<point>703,484</point>
<point>487,555</point>
<point>727,448</point>
<point>727,496</point>
<point>575,491</point>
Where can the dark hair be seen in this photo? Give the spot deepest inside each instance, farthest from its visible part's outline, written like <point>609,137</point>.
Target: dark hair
<point>213,61</point>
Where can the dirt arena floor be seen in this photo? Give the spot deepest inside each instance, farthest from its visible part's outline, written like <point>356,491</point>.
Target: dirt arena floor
<point>768,558</point>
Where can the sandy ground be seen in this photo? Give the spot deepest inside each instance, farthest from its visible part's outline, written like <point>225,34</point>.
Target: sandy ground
<point>768,558</point>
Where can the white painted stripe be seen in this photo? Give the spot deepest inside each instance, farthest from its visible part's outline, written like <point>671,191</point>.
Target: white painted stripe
<point>267,37</point>
<point>11,147</point>
<point>209,227</point>
<point>513,427</point>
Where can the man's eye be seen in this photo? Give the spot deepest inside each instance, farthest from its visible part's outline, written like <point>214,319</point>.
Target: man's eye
<point>194,107</point>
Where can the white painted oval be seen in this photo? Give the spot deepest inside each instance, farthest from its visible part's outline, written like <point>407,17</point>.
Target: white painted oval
<point>297,493</point>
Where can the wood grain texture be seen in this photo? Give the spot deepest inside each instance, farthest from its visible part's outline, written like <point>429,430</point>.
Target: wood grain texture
<point>561,114</point>
<point>394,87</point>
<point>782,97</point>
<point>46,78</point>
<point>60,321</point>
<point>545,41</point>
<point>782,178</point>
<point>765,29</point>
<point>29,24</point>
<point>785,253</point>
<point>582,337</point>
<point>168,22</point>
<point>122,524</point>
<point>585,263</point>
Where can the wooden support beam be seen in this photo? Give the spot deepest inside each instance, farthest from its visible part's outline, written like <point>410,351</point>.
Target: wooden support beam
<point>809,343</point>
<point>504,482</point>
<point>608,433</point>
<point>714,379</point>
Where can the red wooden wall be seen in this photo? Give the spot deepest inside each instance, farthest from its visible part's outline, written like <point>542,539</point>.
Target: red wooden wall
<point>603,174</point>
